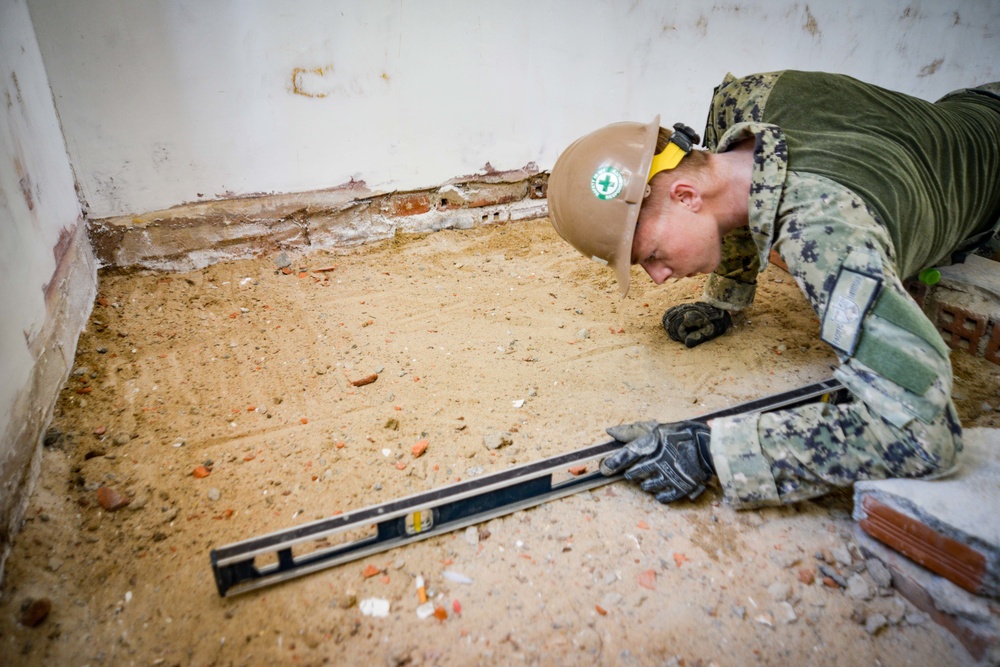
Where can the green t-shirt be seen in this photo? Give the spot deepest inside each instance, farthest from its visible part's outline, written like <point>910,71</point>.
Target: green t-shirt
<point>930,171</point>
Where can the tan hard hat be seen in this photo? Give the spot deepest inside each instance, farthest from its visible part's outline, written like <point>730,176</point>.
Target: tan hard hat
<point>597,186</point>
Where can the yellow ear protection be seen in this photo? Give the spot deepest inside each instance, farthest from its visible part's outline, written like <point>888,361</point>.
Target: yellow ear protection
<point>681,142</point>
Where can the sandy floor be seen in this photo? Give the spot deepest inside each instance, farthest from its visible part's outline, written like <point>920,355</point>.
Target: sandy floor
<point>247,370</point>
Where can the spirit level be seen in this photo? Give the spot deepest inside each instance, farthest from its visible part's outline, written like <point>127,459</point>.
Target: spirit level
<point>286,554</point>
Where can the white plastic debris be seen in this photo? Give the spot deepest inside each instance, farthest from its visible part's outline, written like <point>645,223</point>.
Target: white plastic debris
<point>386,452</point>
<point>376,607</point>
<point>518,403</point>
<point>425,610</point>
<point>456,577</point>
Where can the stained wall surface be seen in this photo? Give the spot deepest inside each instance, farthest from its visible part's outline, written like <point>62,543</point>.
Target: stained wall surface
<point>170,102</point>
<point>47,271</point>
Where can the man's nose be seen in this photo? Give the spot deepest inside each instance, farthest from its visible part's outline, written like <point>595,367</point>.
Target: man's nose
<point>658,272</point>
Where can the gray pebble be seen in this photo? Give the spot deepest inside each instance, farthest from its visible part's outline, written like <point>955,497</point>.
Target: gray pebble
<point>786,613</point>
<point>214,494</point>
<point>875,622</point>
<point>879,572</point>
<point>858,588</point>
<point>841,555</point>
<point>282,260</point>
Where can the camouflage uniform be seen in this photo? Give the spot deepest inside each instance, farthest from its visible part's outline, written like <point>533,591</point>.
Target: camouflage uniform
<point>849,259</point>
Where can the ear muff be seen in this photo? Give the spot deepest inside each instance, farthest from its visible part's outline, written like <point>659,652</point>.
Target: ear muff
<point>682,140</point>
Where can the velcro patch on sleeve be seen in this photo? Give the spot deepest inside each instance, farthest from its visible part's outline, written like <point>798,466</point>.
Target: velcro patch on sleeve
<point>852,296</point>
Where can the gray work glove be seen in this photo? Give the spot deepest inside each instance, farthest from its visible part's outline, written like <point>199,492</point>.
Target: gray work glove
<point>696,323</point>
<point>673,459</point>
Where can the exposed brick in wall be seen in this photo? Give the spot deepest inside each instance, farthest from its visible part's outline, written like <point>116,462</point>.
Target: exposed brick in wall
<point>992,352</point>
<point>195,235</point>
<point>961,326</point>
<point>917,290</point>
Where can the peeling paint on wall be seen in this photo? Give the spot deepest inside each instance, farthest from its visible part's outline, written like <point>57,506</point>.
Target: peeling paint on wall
<point>313,82</point>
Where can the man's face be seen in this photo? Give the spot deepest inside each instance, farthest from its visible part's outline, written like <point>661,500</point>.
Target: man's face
<point>676,240</point>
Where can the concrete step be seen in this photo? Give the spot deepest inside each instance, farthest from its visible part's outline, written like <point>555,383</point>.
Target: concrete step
<point>948,529</point>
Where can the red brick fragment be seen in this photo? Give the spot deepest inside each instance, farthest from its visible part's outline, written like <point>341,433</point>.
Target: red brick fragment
<point>647,579</point>
<point>368,379</point>
<point>807,575</point>
<point>576,471</point>
<point>370,571</point>
<point>200,472</point>
<point>410,204</point>
<point>110,499</point>
<point>36,612</point>
<point>419,448</point>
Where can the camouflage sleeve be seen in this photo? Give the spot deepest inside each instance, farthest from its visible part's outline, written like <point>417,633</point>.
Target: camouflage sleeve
<point>734,283</point>
<point>901,422</point>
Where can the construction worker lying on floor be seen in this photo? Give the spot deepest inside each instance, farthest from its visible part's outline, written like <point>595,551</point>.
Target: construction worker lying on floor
<point>856,188</point>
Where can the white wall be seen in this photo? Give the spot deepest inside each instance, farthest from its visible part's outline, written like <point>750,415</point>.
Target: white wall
<point>170,101</point>
<point>48,275</point>
<point>38,205</point>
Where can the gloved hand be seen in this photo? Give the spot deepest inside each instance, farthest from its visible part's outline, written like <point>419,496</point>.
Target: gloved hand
<point>696,323</point>
<point>673,459</point>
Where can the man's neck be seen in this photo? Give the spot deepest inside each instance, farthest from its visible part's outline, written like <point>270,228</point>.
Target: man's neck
<point>728,197</point>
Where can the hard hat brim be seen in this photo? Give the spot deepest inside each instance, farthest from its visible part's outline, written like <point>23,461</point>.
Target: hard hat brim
<point>634,195</point>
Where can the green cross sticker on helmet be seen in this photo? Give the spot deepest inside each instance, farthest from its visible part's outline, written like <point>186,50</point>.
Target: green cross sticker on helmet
<point>607,183</point>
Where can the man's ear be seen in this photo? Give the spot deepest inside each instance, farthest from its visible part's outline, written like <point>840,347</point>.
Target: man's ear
<point>685,193</point>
